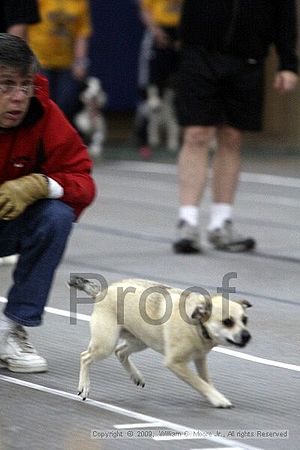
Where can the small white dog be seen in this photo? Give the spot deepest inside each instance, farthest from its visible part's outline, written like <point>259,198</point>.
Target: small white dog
<point>162,118</point>
<point>90,120</point>
<point>182,325</point>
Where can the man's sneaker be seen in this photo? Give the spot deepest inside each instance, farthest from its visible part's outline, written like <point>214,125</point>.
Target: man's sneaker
<point>17,354</point>
<point>225,238</point>
<point>187,238</point>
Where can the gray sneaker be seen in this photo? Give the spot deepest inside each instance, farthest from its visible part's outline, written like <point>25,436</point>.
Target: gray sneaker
<point>187,239</point>
<point>17,354</point>
<point>226,238</point>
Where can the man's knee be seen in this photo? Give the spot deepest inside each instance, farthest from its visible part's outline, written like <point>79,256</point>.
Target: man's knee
<point>198,137</point>
<point>230,137</point>
<point>51,217</point>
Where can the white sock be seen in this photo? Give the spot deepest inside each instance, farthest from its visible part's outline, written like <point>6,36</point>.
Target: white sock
<point>190,214</point>
<point>218,214</point>
<point>6,323</point>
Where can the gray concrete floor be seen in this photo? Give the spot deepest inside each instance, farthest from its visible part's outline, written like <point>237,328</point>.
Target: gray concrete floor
<point>128,233</point>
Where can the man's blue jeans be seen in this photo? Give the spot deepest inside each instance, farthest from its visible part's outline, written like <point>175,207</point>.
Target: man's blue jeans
<point>39,235</point>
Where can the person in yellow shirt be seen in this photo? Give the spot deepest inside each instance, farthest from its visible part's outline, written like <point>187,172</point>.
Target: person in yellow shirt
<point>60,42</point>
<point>161,17</point>
<point>159,56</point>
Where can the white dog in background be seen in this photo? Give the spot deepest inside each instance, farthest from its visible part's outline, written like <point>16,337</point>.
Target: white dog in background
<point>90,120</point>
<point>162,118</point>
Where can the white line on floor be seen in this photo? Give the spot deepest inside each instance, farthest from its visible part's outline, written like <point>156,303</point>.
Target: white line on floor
<point>138,425</point>
<point>219,448</point>
<point>270,199</point>
<point>225,351</point>
<point>124,412</point>
<point>248,177</point>
<point>257,359</point>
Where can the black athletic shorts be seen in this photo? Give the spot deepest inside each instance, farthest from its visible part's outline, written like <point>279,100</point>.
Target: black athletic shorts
<point>215,89</point>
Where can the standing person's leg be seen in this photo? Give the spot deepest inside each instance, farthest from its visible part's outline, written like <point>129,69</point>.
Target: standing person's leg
<point>39,235</point>
<point>192,173</point>
<point>162,126</point>
<point>243,99</point>
<point>198,112</point>
<point>67,92</point>
<point>226,170</point>
<point>144,58</point>
<point>192,163</point>
<point>141,115</point>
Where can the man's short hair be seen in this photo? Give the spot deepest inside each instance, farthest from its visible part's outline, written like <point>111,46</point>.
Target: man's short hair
<point>15,53</point>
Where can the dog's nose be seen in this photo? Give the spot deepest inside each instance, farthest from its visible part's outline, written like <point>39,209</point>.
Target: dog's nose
<point>245,336</point>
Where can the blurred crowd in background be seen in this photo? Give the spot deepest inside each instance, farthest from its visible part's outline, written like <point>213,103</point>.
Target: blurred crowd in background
<point>114,42</point>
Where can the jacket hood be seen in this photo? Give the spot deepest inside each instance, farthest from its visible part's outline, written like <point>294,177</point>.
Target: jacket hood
<point>40,102</point>
<point>42,88</point>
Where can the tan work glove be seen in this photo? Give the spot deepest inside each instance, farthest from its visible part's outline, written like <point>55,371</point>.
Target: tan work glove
<point>16,195</point>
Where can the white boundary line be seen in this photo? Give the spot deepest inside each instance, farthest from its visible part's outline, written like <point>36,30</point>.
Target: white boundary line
<point>219,448</point>
<point>273,180</point>
<point>270,199</point>
<point>124,412</point>
<point>247,177</point>
<point>257,359</point>
<point>129,426</point>
<point>225,351</point>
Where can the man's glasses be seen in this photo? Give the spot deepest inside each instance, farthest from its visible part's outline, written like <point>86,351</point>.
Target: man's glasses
<point>11,89</point>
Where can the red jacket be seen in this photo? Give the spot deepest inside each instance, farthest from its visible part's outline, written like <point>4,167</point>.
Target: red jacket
<point>46,143</point>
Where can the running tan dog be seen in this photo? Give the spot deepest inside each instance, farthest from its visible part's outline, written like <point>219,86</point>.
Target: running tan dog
<point>182,325</point>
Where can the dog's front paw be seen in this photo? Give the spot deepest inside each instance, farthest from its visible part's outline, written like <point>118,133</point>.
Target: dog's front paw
<point>138,380</point>
<point>83,392</point>
<point>218,400</point>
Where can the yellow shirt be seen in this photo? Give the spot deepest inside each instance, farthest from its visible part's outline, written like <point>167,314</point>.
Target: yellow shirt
<point>164,12</point>
<point>62,22</point>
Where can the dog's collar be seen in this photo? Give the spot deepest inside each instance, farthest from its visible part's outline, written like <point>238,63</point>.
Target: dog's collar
<point>205,333</point>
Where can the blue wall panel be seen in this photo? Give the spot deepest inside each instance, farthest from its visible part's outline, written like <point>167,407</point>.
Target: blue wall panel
<point>114,50</point>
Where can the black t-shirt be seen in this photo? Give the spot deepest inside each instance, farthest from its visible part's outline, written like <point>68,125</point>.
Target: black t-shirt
<point>13,12</point>
<point>242,27</point>
<point>205,22</point>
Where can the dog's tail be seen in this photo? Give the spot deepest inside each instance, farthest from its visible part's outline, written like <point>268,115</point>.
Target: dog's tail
<point>85,285</point>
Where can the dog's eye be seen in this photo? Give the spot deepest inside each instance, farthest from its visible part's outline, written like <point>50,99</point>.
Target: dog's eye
<point>245,320</point>
<point>228,322</point>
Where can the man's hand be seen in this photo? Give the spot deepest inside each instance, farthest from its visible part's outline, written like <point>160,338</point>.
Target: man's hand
<point>161,37</point>
<point>16,195</point>
<point>285,81</point>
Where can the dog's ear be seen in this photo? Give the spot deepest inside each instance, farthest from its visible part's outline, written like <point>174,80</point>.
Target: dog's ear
<point>244,303</point>
<point>202,312</point>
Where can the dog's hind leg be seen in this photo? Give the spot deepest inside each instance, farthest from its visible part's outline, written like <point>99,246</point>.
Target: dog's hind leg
<point>123,352</point>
